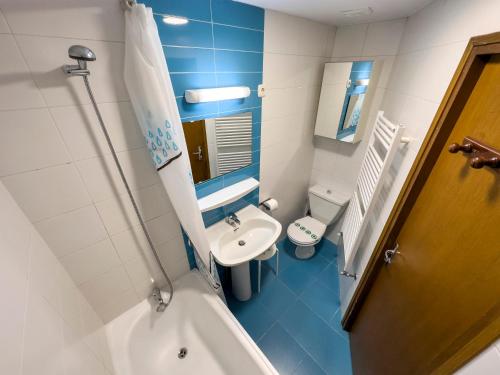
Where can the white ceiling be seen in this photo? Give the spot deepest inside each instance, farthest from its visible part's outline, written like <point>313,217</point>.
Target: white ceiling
<point>330,11</point>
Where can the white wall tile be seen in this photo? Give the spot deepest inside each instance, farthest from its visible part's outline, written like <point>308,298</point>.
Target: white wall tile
<point>48,192</point>
<point>13,289</point>
<point>279,33</point>
<point>45,56</point>
<point>444,22</point>
<point>43,339</point>
<point>176,269</point>
<point>99,20</point>
<point>78,358</point>
<point>281,70</point>
<point>73,230</point>
<point>117,304</point>
<point>172,250</point>
<point>44,275</point>
<point>4,28</point>
<point>87,263</point>
<point>118,213</point>
<point>15,232</point>
<point>144,275</point>
<point>83,135</point>
<point>31,333</point>
<point>18,90</point>
<point>104,288</point>
<point>349,41</point>
<point>295,50</point>
<point>164,228</point>
<point>29,141</point>
<point>383,38</point>
<point>103,180</point>
<point>70,301</point>
<point>130,243</point>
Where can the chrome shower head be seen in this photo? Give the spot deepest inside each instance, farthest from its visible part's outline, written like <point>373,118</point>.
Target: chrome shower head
<point>82,54</point>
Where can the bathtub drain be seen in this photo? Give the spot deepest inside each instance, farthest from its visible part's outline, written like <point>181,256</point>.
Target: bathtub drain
<point>182,353</point>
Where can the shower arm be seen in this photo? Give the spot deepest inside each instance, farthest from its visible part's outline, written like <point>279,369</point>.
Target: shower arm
<point>81,70</point>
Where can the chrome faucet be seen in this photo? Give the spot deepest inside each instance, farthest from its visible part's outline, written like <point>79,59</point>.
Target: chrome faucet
<point>233,220</point>
<point>156,295</point>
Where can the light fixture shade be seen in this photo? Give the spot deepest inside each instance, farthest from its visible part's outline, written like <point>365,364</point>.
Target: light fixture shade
<point>216,94</point>
<point>175,20</point>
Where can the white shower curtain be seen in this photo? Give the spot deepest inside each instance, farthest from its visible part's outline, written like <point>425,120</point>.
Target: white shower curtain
<point>152,96</point>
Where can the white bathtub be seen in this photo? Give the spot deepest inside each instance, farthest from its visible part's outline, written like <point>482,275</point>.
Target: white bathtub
<point>144,342</point>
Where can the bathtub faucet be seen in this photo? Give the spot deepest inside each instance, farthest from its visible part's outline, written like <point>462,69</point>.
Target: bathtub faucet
<point>156,295</point>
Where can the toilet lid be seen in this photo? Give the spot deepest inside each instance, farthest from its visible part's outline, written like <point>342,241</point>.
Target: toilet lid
<point>306,230</point>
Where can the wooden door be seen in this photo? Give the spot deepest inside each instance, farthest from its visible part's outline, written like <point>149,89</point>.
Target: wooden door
<point>196,140</point>
<point>443,288</point>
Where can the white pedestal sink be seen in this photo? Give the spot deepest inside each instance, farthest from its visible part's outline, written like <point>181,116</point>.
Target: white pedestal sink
<point>235,247</point>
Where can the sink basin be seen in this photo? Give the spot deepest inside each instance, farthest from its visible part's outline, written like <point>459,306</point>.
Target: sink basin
<point>256,233</point>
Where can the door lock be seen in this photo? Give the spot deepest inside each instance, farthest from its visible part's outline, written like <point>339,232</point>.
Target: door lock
<point>389,254</point>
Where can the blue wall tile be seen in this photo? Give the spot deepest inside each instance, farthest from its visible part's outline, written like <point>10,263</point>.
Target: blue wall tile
<point>201,110</point>
<point>236,61</point>
<point>181,59</point>
<point>252,101</point>
<point>252,80</point>
<point>237,14</point>
<point>228,37</point>
<point>186,81</point>
<point>192,34</point>
<point>210,186</point>
<point>194,9</point>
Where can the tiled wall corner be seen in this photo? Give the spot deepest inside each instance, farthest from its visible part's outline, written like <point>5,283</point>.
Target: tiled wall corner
<point>295,50</point>
<point>337,163</point>
<point>63,176</point>
<point>48,327</point>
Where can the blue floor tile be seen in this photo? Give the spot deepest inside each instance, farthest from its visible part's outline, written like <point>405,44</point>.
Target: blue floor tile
<point>308,367</point>
<point>302,272</point>
<point>336,324</point>
<point>329,277</point>
<point>276,297</point>
<point>322,300</point>
<point>296,278</point>
<point>282,350</point>
<point>327,249</point>
<point>321,342</point>
<point>252,316</point>
<point>296,317</point>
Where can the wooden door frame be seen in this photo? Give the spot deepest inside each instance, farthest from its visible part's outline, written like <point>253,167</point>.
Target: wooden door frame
<point>469,69</point>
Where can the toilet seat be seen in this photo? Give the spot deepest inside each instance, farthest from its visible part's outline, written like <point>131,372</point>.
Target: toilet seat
<point>306,231</point>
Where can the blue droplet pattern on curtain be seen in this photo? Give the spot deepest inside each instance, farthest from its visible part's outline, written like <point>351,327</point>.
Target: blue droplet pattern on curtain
<point>161,145</point>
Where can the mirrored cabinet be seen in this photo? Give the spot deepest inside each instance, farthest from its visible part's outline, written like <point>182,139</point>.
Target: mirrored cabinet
<point>346,94</point>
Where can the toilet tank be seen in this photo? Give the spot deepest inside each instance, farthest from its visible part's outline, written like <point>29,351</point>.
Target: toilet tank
<point>326,204</point>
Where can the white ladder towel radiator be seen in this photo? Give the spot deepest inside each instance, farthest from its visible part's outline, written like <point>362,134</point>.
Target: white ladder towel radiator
<point>234,142</point>
<point>380,153</point>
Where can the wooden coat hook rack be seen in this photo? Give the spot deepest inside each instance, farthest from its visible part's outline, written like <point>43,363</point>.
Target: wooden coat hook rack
<point>481,154</point>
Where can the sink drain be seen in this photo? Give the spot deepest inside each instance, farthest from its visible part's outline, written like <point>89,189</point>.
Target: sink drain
<point>182,353</point>
<point>241,243</point>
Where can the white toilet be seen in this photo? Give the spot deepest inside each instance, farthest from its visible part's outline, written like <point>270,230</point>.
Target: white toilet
<point>326,205</point>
